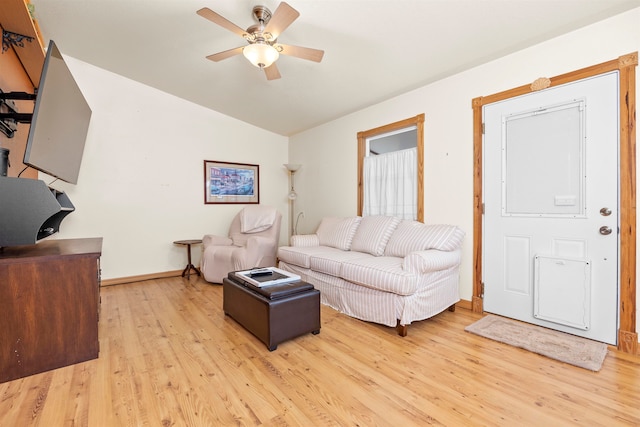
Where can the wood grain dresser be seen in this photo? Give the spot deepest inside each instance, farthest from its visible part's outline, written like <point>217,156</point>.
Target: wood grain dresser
<point>49,305</point>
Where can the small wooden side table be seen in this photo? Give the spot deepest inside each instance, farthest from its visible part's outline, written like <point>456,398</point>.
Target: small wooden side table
<point>190,266</point>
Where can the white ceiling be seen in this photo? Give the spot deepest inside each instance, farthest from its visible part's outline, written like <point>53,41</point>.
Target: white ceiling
<point>374,49</point>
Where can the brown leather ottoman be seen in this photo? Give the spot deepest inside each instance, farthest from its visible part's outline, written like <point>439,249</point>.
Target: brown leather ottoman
<point>273,314</point>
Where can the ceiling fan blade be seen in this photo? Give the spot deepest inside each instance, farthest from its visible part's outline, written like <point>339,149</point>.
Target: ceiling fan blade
<point>302,52</point>
<point>272,72</point>
<point>281,19</point>
<point>212,16</point>
<point>225,54</point>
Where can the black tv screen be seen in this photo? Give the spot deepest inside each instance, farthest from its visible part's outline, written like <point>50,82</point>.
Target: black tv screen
<point>60,121</point>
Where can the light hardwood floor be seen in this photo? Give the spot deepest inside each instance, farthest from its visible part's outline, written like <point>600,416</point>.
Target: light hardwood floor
<point>170,357</point>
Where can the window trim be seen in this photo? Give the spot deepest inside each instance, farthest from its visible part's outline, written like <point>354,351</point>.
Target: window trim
<point>418,122</point>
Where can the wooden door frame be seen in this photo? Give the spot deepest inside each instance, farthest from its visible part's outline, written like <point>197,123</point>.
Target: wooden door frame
<point>626,65</point>
<point>418,122</point>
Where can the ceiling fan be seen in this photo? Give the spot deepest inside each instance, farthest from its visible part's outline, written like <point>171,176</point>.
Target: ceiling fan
<point>263,49</point>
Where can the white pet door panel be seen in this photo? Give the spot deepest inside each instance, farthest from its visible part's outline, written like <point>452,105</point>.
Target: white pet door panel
<point>562,291</point>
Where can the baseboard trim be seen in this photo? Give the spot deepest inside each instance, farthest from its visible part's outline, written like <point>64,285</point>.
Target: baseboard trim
<point>628,342</point>
<point>130,279</point>
<point>466,304</point>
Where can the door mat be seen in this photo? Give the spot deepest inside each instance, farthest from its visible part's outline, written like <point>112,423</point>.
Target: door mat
<point>566,348</point>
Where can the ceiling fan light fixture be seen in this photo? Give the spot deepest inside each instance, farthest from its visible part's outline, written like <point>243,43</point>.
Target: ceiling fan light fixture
<point>262,55</point>
<point>262,49</point>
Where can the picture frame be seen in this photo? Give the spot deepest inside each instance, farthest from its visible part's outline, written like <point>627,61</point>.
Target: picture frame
<point>226,182</point>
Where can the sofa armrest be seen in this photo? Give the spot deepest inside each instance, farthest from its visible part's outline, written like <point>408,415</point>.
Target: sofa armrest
<point>420,262</point>
<point>305,240</point>
<point>213,240</point>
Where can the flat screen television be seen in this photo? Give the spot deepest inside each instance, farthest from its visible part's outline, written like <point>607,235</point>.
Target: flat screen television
<point>60,121</point>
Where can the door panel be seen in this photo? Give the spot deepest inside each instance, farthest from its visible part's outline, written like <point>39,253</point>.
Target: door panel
<point>550,166</point>
<point>516,264</point>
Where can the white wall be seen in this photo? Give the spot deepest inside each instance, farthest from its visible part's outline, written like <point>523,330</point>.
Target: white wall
<point>141,185</point>
<point>141,182</point>
<point>327,182</point>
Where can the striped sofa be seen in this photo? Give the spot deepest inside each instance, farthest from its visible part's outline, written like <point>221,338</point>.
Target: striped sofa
<point>379,268</point>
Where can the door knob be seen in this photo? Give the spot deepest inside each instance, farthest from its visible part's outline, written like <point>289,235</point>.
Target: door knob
<point>605,211</point>
<point>605,231</point>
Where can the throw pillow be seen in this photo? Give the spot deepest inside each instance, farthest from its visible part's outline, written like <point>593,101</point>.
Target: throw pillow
<point>337,232</point>
<point>415,236</point>
<point>373,234</point>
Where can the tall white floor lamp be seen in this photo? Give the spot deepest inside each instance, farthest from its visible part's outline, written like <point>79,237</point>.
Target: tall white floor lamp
<point>292,168</point>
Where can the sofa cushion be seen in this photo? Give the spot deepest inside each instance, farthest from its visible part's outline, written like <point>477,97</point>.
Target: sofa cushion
<point>373,233</point>
<point>330,262</point>
<point>412,236</point>
<point>338,232</point>
<point>301,256</point>
<point>382,273</point>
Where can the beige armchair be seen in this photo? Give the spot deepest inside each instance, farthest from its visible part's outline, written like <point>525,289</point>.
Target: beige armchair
<point>252,242</point>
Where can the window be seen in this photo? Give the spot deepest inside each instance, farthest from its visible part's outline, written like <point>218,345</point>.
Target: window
<point>387,148</point>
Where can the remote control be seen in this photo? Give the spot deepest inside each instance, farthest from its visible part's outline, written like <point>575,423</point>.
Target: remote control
<point>258,273</point>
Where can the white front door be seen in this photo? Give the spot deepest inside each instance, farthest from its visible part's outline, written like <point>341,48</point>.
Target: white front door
<point>550,228</point>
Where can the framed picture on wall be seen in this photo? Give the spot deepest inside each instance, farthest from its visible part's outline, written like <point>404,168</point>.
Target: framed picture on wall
<point>226,182</point>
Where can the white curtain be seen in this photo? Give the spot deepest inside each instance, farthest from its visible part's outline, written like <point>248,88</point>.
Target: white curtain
<point>390,184</point>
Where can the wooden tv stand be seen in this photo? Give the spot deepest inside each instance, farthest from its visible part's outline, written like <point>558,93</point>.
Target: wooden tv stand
<point>49,305</point>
